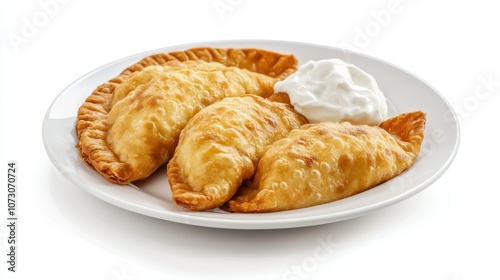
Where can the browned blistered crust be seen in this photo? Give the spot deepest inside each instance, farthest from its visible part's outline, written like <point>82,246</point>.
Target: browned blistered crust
<point>324,162</point>
<point>92,126</point>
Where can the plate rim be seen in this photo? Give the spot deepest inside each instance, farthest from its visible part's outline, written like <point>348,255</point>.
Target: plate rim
<point>251,224</point>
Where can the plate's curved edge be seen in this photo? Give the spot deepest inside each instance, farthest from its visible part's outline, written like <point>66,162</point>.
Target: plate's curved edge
<point>258,224</point>
<point>44,129</point>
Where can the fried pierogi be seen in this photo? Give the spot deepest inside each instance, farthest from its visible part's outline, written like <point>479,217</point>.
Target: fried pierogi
<point>150,72</point>
<point>129,126</point>
<point>324,162</point>
<point>221,146</point>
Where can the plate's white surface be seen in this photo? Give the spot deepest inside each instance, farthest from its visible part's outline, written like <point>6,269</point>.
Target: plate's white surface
<point>152,197</point>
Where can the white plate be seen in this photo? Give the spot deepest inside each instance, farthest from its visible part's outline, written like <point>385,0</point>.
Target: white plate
<point>405,91</point>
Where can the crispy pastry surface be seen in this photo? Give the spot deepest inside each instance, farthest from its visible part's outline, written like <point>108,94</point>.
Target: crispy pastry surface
<point>324,162</point>
<point>155,97</point>
<point>221,145</point>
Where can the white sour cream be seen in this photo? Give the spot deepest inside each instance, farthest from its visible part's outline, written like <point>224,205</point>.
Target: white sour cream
<point>333,90</point>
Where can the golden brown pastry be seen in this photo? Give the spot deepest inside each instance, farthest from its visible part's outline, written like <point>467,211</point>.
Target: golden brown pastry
<point>150,72</point>
<point>221,145</point>
<point>324,162</point>
<point>281,97</point>
<point>127,136</point>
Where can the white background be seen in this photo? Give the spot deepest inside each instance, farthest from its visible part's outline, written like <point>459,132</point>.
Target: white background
<point>447,232</point>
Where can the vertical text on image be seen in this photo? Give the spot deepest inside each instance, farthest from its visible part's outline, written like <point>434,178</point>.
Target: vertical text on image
<point>12,222</point>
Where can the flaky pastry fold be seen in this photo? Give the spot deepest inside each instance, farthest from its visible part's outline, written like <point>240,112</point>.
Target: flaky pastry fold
<point>221,146</point>
<point>324,162</point>
<point>129,126</point>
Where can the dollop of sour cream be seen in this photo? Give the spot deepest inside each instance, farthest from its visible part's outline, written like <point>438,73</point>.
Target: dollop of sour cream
<point>334,90</point>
